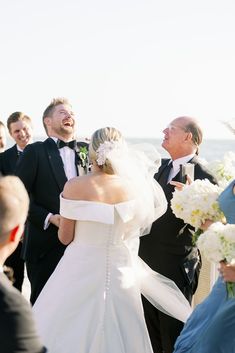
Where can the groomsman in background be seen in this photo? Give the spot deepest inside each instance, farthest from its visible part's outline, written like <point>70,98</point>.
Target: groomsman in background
<point>168,249</point>
<point>3,137</point>
<point>20,129</point>
<point>44,168</point>
<point>18,332</point>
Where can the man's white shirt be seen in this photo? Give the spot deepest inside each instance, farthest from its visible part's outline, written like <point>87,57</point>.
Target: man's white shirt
<point>68,158</point>
<point>176,165</point>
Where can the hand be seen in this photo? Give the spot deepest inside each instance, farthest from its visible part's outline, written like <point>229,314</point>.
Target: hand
<point>55,219</point>
<point>204,226</point>
<point>179,186</point>
<point>227,271</point>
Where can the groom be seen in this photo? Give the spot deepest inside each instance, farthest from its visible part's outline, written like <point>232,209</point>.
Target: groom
<point>168,249</point>
<point>44,169</point>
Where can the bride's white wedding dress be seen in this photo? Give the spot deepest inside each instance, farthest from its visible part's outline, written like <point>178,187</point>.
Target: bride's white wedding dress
<point>92,301</point>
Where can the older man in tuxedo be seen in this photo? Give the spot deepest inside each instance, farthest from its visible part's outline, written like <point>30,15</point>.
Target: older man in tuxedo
<point>168,249</point>
<point>20,129</point>
<point>44,168</point>
<point>17,328</point>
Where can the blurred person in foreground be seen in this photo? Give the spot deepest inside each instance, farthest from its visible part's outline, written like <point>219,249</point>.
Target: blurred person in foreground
<point>18,332</point>
<point>168,249</point>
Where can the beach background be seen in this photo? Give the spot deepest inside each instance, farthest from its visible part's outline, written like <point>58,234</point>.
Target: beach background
<point>210,149</point>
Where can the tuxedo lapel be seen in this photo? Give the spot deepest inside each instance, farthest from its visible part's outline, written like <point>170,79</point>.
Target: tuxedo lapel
<point>56,162</point>
<point>163,172</point>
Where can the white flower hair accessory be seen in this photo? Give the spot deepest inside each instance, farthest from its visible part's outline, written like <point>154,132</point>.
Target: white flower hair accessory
<point>105,149</point>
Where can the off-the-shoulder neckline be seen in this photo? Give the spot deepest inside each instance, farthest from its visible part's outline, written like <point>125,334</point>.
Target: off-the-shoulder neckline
<point>99,202</point>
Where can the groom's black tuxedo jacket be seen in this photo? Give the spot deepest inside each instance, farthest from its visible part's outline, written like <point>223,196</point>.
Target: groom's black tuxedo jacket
<point>168,248</point>
<point>17,328</point>
<point>42,172</point>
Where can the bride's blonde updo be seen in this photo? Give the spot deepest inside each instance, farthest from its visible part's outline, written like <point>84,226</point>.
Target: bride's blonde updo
<point>102,140</point>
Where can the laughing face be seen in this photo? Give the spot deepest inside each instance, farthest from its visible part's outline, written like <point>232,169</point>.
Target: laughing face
<point>61,123</point>
<point>21,132</point>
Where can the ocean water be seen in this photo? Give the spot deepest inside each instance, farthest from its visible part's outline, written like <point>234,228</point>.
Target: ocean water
<point>210,149</point>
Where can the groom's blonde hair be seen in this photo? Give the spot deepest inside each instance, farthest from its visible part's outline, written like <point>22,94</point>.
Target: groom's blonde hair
<point>51,107</point>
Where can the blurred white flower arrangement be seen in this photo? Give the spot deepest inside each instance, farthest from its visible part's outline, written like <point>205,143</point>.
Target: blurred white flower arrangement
<point>223,170</point>
<point>217,243</point>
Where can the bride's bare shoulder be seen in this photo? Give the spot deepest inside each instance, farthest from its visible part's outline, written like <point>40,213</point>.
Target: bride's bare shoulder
<point>105,188</point>
<point>74,188</point>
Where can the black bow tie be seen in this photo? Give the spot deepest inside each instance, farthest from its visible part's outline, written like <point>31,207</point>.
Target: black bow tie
<point>71,144</point>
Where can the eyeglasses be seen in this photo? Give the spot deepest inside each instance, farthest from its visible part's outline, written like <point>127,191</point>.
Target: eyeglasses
<point>173,127</point>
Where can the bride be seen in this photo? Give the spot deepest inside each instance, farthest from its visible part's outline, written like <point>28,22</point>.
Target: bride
<point>92,301</point>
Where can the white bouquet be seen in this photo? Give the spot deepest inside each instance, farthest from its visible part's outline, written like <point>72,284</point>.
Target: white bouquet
<point>217,243</point>
<point>223,170</point>
<point>197,202</point>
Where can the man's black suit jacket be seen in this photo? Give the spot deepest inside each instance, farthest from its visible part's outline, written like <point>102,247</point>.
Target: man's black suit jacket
<point>168,249</point>
<point>8,161</point>
<point>42,172</point>
<point>17,328</point>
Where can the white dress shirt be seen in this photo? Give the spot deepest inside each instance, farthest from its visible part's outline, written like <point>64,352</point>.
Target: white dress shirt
<point>68,158</point>
<point>176,165</point>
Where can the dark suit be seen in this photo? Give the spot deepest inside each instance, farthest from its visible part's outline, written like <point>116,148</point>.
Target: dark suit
<point>41,170</point>
<point>8,162</point>
<point>168,249</point>
<point>17,328</point>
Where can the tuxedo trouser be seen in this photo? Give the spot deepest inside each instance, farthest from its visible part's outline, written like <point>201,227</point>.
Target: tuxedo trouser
<point>40,271</point>
<point>163,329</point>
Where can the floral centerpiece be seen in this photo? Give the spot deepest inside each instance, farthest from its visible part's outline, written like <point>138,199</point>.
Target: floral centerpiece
<point>217,243</point>
<point>196,203</point>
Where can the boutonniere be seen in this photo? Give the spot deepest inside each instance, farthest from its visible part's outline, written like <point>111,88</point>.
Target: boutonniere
<point>83,155</point>
<point>82,159</point>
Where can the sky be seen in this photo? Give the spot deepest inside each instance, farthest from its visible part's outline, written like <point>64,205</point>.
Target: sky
<point>132,64</point>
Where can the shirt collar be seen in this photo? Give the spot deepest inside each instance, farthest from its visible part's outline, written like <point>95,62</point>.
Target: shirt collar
<point>176,163</point>
<point>55,139</point>
<point>19,149</point>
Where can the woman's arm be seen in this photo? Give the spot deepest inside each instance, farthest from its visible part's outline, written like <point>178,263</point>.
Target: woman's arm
<point>66,230</point>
